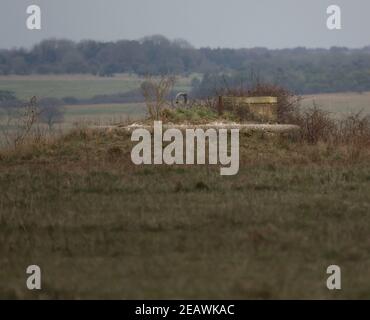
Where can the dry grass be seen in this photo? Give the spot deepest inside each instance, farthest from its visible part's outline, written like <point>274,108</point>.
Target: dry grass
<point>78,86</point>
<point>318,125</point>
<point>340,105</point>
<point>100,227</point>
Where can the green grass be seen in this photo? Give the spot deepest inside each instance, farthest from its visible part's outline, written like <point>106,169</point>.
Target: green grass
<point>100,227</point>
<point>190,115</point>
<point>78,86</point>
<point>104,111</point>
<point>67,88</point>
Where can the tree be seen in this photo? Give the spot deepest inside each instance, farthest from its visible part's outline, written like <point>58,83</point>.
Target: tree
<point>156,92</point>
<point>51,111</point>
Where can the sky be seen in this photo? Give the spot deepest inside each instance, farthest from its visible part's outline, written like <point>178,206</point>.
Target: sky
<point>204,23</point>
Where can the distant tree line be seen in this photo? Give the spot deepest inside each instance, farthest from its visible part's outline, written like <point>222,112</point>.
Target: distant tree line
<point>301,70</point>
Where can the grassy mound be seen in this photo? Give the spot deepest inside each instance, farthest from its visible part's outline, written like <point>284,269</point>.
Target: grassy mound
<point>196,115</point>
<point>101,227</point>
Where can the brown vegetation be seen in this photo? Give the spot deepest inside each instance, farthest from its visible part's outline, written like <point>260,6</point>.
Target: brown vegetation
<point>156,92</point>
<point>101,227</point>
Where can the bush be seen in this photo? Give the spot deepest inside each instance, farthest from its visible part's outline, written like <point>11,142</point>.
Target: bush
<point>318,126</point>
<point>355,129</point>
<point>315,124</point>
<point>51,111</point>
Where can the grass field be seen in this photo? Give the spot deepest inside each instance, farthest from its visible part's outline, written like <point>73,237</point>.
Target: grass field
<point>104,113</point>
<point>340,104</point>
<point>78,86</point>
<point>100,227</point>
<point>87,86</point>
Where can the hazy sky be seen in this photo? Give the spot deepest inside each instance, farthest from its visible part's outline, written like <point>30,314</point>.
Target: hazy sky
<point>214,23</point>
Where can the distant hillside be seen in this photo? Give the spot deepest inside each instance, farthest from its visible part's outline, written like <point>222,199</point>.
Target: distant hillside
<point>301,70</point>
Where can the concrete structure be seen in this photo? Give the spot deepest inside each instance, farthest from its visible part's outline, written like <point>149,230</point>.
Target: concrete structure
<point>262,109</point>
<point>267,128</point>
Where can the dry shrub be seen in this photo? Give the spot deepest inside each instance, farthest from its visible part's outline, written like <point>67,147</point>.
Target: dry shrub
<point>316,125</point>
<point>352,133</point>
<point>19,123</point>
<point>156,92</point>
<point>354,129</point>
